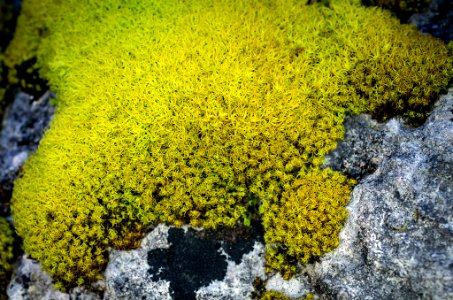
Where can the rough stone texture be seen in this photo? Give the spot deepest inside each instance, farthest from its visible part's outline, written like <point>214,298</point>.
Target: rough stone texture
<point>24,123</point>
<point>127,272</point>
<point>239,278</point>
<point>295,288</point>
<point>185,264</point>
<point>398,239</point>
<point>437,20</point>
<point>30,282</point>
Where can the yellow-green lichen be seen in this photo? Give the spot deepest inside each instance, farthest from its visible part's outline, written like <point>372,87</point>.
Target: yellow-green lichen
<point>6,255</point>
<point>182,111</point>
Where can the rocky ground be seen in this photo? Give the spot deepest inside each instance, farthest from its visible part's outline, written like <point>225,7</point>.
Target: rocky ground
<point>397,242</point>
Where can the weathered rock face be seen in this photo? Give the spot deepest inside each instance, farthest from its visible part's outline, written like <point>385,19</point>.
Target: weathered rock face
<point>185,264</point>
<point>24,123</point>
<point>398,240</point>
<point>30,282</point>
<point>437,20</point>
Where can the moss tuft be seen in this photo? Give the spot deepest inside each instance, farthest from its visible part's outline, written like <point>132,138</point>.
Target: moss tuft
<point>314,212</point>
<point>6,255</point>
<point>187,112</point>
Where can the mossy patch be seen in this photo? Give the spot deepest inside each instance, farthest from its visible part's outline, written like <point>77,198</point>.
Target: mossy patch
<point>6,255</point>
<point>191,112</point>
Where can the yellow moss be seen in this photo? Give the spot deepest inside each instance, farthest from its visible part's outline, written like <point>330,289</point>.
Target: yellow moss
<point>6,255</point>
<point>182,111</point>
<point>314,212</point>
<point>273,295</point>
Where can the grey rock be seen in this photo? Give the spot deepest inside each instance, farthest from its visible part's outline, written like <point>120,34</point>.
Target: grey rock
<point>23,125</point>
<point>294,288</point>
<point>436,20</point>
<point>127,272</point>
<point>398,239</point>
<point>238,282</point>
<point>30,282</point>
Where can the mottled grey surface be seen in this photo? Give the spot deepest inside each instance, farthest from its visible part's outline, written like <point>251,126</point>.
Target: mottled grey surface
<point>437,20</point>
<point>238,282</point>
<point>127,275</point>
<point>398,239</point>
<point>30,282</point>
<point>127,272</point>
<point>23,125</point>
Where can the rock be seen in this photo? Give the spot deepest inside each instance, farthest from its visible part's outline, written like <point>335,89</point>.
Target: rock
<point>437,20</point>
<point>398,239</point>
<point>24,123</point>
<point>127,272</point>
<point>295,288</point>
<point>30,282</point>
<point>239,278</point>
<point>185,263</point>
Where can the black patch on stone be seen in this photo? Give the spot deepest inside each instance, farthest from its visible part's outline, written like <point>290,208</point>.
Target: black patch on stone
<point>194,258</point>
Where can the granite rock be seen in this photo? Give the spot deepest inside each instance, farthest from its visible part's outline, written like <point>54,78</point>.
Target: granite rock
<point>30,282</point>
<point>398,239</point>
<point>24,123</point>
<point>185,263</point>
<point>437,20</point>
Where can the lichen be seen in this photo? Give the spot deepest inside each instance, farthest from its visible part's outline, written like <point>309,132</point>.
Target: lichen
<point>183,111</point>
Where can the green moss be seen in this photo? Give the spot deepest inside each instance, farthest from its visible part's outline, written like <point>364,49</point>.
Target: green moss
<point>272,295</point>
<point>186,112</point>
<point>6,255</point>
<point>314,212</point>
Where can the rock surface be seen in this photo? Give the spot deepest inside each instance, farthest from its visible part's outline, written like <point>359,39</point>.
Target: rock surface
<point>398,240</point>
<point>30,282</point>
<point>24,123</point>
<point>185,264</point>
<point>437,20</point>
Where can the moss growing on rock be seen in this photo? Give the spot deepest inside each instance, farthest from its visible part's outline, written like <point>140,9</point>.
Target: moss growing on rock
<point>6,255</point>
<point>184,111</point>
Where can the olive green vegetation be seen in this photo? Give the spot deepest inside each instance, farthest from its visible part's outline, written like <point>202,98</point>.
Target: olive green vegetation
<point>7,17</point>
<point>200,112</point>
<point>6,255</point>
<point>272,295</point>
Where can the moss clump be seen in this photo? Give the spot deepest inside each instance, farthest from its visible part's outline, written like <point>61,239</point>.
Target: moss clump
<point>272,295</point>
<point>188,111</point>
<point>6,255</point>
<point>314,210</point>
